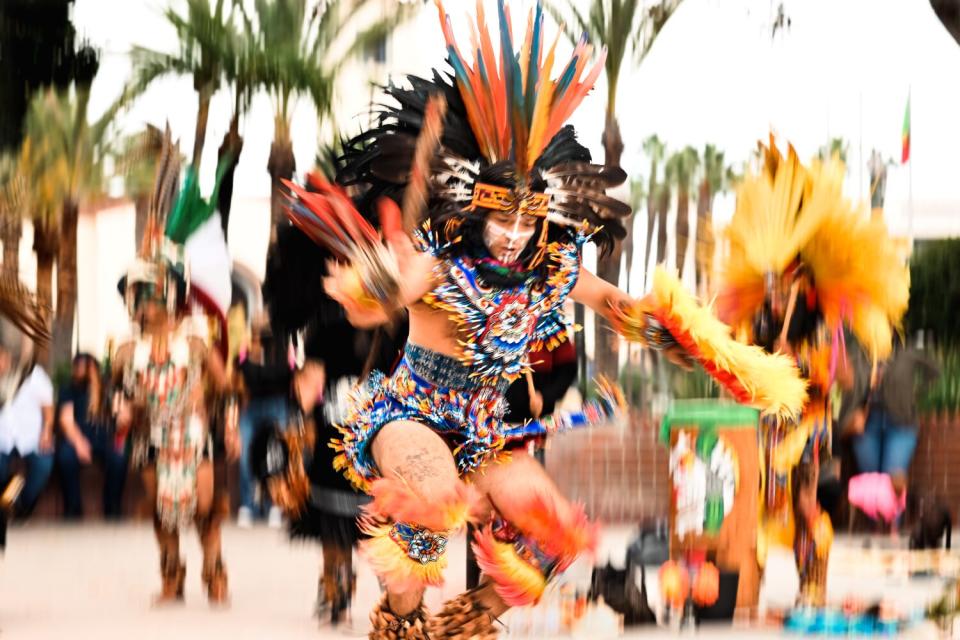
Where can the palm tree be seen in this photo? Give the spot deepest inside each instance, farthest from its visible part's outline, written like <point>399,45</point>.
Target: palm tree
<point>62,157</point>
<point>622,27</point>
<point>39,205</point>
<point>301,52</point>
<point>664,196</point>
<point>834,147</point>
<point>238,70</point>
<point>11,214</point>
<point>638,194</point>
<point>681,169</point>
<point>205,34</point>
<point>655,150</point>
<point>712,181</point>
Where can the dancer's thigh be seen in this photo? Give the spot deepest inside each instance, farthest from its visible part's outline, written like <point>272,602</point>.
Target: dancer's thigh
<point>512,483</point>
<point>415,453</point>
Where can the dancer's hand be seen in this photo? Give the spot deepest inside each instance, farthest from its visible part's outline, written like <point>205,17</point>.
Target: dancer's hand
<point>536,404</point>
<point>343,285</point>
<point>232,444</point>
<point>46,441</point>
<point>856,423</point>
<point>309,384</point>
<point>82,446</point>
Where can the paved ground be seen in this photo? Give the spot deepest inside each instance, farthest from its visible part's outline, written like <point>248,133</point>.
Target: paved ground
<point>95,581</point>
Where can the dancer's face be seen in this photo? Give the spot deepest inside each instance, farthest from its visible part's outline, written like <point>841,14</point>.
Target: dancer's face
<point>153,314</point>
<point>80,370</point>
<point>506,234</point>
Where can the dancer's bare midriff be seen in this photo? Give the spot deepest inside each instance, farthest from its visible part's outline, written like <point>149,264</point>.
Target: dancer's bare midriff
<point>432,329</point>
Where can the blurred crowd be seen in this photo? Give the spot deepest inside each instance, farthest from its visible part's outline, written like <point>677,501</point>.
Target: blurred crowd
<point>49,433</point>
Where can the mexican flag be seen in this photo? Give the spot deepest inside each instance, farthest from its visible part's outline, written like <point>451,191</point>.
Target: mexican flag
<point>905,153</point>
<point>195,224</point>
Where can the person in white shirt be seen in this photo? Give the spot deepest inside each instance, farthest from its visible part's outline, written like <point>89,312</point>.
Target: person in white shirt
<point>26,431</point>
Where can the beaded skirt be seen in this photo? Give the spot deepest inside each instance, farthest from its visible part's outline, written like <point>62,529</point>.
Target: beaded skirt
<point>432,389</point>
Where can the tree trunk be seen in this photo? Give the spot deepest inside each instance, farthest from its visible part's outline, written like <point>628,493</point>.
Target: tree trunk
<point>44,247</point>
<point>663,207</point>
<point>606,342</point>
<point>281,166</point>
<point>231,146</point>
<point>12,231</point>
<point>683,227</point>
<point>703,259</point>
<point>200,135</point>
<point>628,248</point>
<point>142,204</point>
<point>66,285</point>
<point>651,217</point>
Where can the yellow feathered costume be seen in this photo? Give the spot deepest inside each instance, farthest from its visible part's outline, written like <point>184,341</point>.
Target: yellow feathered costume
<point>788,214</point>
<point>795,240</point>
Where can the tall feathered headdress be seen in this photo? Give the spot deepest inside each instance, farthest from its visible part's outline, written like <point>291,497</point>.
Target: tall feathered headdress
<point>189,263</point>
<point>790,217</point>
<point>504,145</point>
<point>158,267</point>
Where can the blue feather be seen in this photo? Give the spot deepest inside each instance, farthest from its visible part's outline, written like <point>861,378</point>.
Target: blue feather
<point>482,66</point>
<point>512,77</point>
<point>534,68</point>
<point>457,64</point>
<point>565,79</point>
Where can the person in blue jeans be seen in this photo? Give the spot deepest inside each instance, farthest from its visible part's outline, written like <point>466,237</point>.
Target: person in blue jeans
<point>88,434</point>
<point>885,432</point>
<point>26,431</point>
<point>266,376</point>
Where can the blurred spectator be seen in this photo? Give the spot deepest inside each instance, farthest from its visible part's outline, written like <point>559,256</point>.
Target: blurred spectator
<point>885,440</point>
<point>26,431</point>
<point>266,375</point>
<point>88,434</point>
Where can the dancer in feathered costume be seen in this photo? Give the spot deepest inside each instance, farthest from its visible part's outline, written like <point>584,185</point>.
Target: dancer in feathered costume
<point>171,381</point>
<point>337,355</point>
<point>804,264</point>
<point>510,198</point>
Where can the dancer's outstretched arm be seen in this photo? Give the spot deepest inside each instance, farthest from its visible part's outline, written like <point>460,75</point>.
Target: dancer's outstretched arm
<point>604,299</point>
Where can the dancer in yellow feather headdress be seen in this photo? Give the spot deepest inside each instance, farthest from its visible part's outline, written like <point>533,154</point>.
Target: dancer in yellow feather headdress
<point>805,266</point>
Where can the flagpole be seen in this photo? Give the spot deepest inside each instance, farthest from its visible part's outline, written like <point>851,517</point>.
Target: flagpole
<point>910,170</point>
<point>860,150</point>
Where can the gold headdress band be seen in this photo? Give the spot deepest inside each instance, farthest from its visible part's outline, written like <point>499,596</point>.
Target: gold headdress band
<point>488,196</point>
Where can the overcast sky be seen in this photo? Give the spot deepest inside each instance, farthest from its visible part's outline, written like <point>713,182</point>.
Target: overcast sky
<point>843,68</point>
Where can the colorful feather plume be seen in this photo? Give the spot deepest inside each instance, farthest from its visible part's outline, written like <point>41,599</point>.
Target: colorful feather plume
<point>504,129</point>
<point>418,187</point>
<point>769,382</point>
<point>515,580</point>
<point>23,309</point>
<point>561,529</point>
<point>513,105</point>
<point>327,215</point>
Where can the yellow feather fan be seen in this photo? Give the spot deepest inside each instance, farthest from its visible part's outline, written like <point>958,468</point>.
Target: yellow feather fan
<point>788,212</point>
<point>861,276</point>
<point>769,382</point>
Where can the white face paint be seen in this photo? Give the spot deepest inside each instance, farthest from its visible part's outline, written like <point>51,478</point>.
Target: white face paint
<point>505,242</point>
